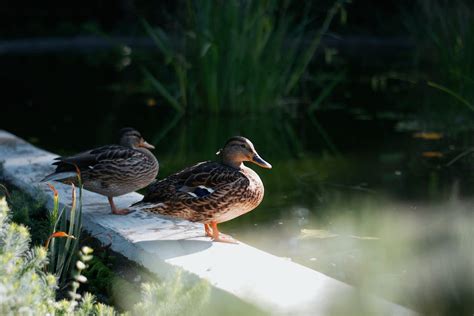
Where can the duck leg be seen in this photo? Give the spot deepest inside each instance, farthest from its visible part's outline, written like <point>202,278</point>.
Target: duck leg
<point>208,230</point>
<point>217,236</point>
<point>115,210</point>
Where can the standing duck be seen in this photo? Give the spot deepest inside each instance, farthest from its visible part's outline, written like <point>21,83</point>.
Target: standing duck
<point>211,192</point>
<point>111,170</point>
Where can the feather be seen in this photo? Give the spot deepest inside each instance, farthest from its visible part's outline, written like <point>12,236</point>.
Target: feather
<point>59,176</point>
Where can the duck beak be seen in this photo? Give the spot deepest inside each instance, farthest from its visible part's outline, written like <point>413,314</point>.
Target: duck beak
<point>256,159</point>
<point>146,145</point>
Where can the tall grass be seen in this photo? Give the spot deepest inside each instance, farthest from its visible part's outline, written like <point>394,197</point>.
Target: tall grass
<point>236,56</point>
<point>445,33</point>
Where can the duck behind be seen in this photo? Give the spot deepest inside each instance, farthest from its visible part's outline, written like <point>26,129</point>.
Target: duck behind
<point>111,170</point>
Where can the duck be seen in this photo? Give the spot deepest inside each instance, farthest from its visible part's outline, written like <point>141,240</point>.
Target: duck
<point>111,170</point>
<point>211,192</point>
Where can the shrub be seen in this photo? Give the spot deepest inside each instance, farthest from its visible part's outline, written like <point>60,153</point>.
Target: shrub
<point>25,289</point>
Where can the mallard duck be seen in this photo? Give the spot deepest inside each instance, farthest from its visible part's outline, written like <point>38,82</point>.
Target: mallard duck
<point>111,170</point>
<point>211,192</point>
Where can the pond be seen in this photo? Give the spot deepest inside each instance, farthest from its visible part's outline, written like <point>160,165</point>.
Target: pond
<point>359,190</point>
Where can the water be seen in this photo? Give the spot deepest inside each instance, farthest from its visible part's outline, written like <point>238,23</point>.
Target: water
<point>354,191</point>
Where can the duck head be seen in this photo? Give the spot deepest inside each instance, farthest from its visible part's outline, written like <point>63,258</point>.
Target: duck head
<point>239,149</point>
<point>130,137</point>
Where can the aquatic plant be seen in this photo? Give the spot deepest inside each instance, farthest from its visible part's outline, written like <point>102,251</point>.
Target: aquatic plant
<point>236,56</point>
<point>445,33</point>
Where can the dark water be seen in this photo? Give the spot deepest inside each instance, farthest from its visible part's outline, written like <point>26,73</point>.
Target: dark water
<point>360,159</point>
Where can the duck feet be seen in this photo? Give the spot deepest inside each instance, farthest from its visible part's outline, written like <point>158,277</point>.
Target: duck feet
<point>212,231</point>
<point>123,211</point>
<point>117,211</point>
<point>225,238</point>
<point>208,230</point>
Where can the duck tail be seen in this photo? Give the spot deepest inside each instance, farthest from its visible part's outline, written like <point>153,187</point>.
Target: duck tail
<point>147,206</point>
<point>59,176</point>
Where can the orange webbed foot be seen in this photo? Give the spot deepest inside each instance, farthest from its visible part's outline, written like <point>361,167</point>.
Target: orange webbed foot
<point>123,211</point>
<point>217,236</point>
<point>225,238</point>
<point>117,211</point>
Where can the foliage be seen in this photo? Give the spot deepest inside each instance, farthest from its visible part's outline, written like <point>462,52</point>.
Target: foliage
<point>55,224</point>
<point>236,56</point>
<point>63,251</point>
<point>109,279</point>
<point>172,298</point>
<point>29,212</point>
<point>445,29</point>
<point>100,277</point>
<point>85,255</point>
<point>24,287</point>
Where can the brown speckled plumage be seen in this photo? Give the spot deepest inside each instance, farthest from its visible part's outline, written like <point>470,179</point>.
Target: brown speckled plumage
<point>235,191</point>
<point>210,192</point>
<point>111,170</point>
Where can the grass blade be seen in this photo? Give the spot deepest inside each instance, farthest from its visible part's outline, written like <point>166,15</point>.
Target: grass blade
<point>451,93</point>
<point>162,90</point>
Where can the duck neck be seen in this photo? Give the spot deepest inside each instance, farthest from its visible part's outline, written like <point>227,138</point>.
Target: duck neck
<point>228,161</point>
<point>148,153</point>
<point>126,142</point>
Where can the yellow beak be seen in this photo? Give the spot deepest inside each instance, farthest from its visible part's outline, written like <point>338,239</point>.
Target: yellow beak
<point>256,159</point>
<point>146,145</point>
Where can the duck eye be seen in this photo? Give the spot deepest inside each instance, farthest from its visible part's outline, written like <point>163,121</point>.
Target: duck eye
<point>242,145</point>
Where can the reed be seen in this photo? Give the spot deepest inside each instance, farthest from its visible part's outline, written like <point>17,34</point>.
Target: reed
<point>444,31</point>
<point>236,56</point>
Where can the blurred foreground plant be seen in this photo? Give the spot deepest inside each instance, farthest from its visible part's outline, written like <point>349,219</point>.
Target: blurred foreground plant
<point>172,297</point>
<point>24,288</point>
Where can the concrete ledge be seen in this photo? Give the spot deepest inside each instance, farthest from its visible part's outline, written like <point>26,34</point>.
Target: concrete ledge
<point>162,244</point>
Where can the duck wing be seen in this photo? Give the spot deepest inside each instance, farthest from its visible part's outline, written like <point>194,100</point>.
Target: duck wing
<point>88,160</point>
<point>197,182</point>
